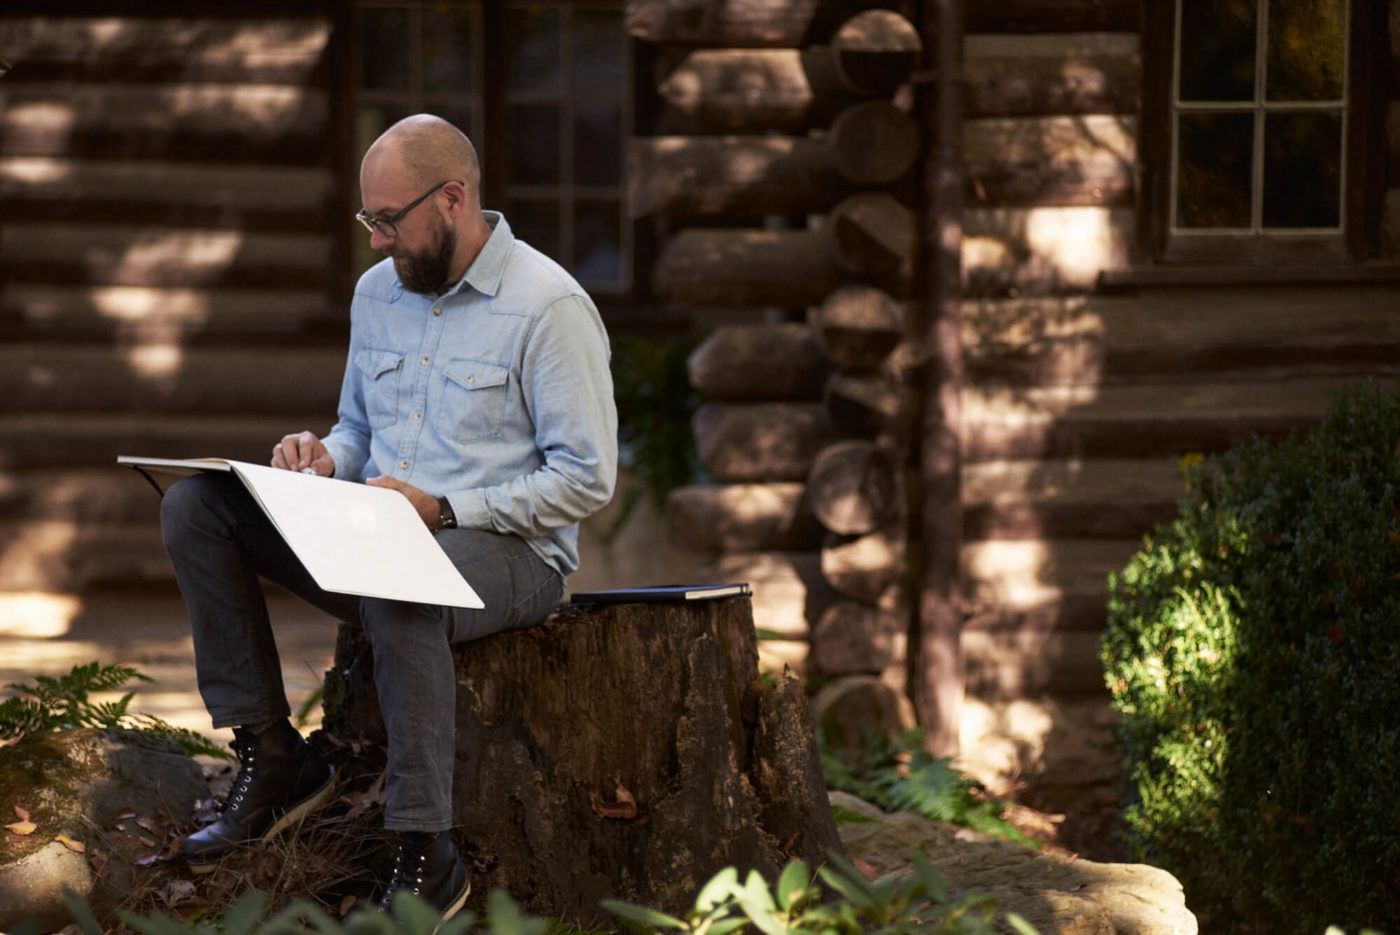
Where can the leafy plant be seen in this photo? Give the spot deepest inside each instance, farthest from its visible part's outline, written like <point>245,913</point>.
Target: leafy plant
<point>409,915</point>
<point>63,703</point>
<point>655,403</point>
<point>849,904</point>
<point>1253,652</point>
<point>898,774</point>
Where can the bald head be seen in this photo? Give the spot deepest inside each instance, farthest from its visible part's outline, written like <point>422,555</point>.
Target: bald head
<point>424,150</point>
<point>425,165</point>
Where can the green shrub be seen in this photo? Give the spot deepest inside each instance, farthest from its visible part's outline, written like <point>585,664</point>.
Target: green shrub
<point>1253,650</point>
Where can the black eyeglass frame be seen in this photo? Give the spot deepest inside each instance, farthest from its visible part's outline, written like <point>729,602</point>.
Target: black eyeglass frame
<point>389,227</point>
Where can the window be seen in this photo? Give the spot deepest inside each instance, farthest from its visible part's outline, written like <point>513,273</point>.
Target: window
<point>1260,130</point>
<point>542,89</point>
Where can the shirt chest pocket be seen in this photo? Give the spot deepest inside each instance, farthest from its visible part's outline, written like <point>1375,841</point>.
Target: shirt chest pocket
<point>471,401</point>
<point>381,370</point>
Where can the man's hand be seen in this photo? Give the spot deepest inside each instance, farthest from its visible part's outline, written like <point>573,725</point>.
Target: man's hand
<point>300,451</point>
<point>425,503</point>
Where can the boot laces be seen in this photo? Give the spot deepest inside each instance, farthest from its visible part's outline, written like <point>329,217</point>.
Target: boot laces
<point>247,768</point>
<point>408,870</point>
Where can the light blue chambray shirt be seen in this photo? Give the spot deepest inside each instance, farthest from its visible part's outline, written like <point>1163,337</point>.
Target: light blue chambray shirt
<point>496,395</point>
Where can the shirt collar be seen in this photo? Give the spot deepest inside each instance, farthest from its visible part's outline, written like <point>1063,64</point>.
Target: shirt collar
<point>486,271</point>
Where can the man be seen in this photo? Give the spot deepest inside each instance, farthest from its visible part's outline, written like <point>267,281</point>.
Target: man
<point>477,385</point>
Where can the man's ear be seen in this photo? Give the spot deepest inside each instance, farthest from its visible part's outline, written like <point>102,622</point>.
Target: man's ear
<point>456,196</point>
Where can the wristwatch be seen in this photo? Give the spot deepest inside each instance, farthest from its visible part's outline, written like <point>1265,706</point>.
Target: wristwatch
<point>446,518</point>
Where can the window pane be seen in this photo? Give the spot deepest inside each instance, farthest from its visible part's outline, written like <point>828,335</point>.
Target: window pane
<point>384,45</point>
<point>448,60</point>
<point>532,37</point>
<point>536,222</point>
<point>534,144</point>
<point>373,119</point>
<point>1303,170</point>
<point>597,241</point>
<point>600,53</point>
<point>1307,50</point>
<point>1217,50</point>
<point>598,144</point>
<point>1213,170</point>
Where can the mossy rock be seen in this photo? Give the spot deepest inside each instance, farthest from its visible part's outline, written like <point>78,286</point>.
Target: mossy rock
<point>75,785</point>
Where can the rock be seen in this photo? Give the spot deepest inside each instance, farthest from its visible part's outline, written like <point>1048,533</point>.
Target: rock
<point>32,887</point>
<point>1055,894</point>
<point>75,784</point>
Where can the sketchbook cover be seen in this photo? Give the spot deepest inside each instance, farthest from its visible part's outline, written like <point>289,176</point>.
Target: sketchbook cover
<point>352,538</point>
<point>673,593</point>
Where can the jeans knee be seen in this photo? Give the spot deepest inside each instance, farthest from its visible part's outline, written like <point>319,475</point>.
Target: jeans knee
<point>187,501</point>
<point>394,626</point>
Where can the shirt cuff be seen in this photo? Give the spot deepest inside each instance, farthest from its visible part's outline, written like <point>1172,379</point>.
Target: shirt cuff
<point>469,506</point>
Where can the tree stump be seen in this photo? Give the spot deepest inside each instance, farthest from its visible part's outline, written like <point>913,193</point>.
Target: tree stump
<point>627,752</point>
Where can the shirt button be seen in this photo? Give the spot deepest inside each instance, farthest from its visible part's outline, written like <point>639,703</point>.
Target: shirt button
<point>418,415</point>
<point>425,361</point>
<point>403,464</point>
<point>437,311</point>
<point>471,379</point>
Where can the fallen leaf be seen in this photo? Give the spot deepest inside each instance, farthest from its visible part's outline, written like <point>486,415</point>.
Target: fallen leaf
<point>148,825</point>
<point>176,892</point>
<point>868,871</point>
<point>125,813</point>
<point>371,797</point>
<point>98,860</point>
<point>346,905</point>
<point>145,860</point>
<point>76,846</point>
<point>21,813</point>
<point>625,810</point>
<point>22,827</point>
<point>145,840</point>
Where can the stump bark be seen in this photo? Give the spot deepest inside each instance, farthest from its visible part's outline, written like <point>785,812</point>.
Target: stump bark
<point>627,752</point>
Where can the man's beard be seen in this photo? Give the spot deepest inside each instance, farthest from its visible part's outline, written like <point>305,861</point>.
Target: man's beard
<point>426,271</point>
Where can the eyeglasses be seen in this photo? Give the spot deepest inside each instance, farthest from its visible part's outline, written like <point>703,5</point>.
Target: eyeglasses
<point>389,227</point>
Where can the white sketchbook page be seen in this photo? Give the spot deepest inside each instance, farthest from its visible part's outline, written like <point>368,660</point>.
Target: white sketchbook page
<point>357,539</point>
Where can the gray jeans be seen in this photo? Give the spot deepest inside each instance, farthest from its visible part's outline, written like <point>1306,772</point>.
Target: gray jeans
<point>220,542</point>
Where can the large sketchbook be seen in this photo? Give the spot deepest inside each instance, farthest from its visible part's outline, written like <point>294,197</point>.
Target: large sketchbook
<point>352,538</point>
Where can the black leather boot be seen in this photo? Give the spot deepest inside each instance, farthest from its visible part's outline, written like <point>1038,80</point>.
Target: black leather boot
<point>280,780</point>
<point>428,865</point>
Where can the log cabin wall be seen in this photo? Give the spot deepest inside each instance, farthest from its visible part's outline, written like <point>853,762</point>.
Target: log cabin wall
<point>1085,386</point>
<point>167,184</point>
<point>781,177</point>
<point>1089,381</point>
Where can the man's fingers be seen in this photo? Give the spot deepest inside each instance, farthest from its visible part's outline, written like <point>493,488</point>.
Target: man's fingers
<point>296,451</point>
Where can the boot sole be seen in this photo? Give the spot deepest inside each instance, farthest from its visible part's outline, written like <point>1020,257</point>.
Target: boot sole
<point>456,905</point>
<point>303,808</point>
<point>288,818</point>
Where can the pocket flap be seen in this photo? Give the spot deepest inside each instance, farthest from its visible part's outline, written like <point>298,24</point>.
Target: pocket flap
<point>475,374</point>
<point>376,363</point>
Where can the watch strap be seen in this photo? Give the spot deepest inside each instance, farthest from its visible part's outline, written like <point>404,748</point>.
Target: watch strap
<point>446,518</point>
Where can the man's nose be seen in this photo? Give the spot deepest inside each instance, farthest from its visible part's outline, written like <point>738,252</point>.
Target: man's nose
<point>378,240</point>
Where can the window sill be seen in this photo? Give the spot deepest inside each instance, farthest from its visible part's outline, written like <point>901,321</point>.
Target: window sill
<point>1144,277</point>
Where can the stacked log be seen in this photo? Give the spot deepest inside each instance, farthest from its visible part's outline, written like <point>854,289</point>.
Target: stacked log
<point>782,168</point>
<point>168,187</point>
